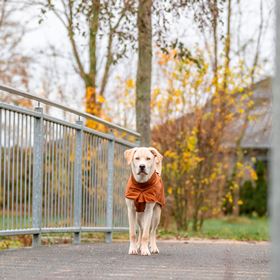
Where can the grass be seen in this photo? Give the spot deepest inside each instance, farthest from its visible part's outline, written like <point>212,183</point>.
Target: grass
<point>241,228</point>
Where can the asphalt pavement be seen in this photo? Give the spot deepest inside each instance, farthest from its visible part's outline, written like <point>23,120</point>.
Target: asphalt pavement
<point>177,260</point>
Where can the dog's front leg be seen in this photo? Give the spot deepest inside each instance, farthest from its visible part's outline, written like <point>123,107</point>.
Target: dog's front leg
<point>139,219</point>
<point>154,225</point>
<point>147,218</point>
<point>132,226</point>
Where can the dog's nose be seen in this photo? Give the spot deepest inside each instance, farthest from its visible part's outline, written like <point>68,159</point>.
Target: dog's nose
<point>142,166</point>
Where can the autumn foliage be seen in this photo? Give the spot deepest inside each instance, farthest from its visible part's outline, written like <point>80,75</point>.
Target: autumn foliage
<point>195,116</point>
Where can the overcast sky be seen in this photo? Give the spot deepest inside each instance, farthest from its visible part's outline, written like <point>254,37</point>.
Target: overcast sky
<point>51,33</point>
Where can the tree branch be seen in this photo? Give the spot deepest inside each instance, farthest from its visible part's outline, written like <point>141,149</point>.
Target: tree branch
<point>2,17</point>
<point>109,60</point>
<point>72,39</point>
<point>256,59</point>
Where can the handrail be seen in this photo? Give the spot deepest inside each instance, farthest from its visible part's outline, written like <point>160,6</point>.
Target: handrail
<point>69,109</point>
<point>57,176</point>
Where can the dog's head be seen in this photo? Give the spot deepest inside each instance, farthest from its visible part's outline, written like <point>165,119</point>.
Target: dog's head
<point>144,162</point>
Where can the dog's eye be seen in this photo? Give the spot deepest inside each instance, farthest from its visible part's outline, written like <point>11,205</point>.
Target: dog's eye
<point>148,158</point>
<point>137,158</point>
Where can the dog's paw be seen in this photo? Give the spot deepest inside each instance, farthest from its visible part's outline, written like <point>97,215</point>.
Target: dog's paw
<point>145,251</point>
<point>132,250</point>
<point>154,250</point>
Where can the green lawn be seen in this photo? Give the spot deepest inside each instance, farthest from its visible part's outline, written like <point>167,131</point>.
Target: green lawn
<point>241,228</point>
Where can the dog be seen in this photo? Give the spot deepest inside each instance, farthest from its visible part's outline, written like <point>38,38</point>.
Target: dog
<point>144,198</point>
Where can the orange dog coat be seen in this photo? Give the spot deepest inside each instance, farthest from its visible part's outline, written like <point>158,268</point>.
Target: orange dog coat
<point>150,191</point>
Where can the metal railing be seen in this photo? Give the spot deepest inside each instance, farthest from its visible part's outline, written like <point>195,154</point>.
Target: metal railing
<point>58,176</point>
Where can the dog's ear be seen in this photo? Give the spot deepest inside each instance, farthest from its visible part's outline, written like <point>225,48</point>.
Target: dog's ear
<point>158,159</point>
<point>128,155</point>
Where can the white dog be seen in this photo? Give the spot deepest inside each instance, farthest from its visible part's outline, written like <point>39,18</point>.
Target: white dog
<point>145,193</point>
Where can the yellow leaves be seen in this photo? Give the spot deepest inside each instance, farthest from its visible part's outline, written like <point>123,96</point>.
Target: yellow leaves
<point>187,156</point>
<point>177,93</point>
<point>205,181</point>
<point>169,190</point>
<point>197,83</point>
<point>235,186</point>
<point>191,143</point>
<point>229,117</point>
<point>213,176</point>
<point>253,174</point>
<point>240,202</point>
<point>90,91</point>
<point>25,103</point>
<point>156,92</point>
<point>244,96</point>
<point>251,103</point>
<point>229,197</point>
<point>174,76</point>
<point>253,159</point>
<point>196,160</point>
<point>216,101</point>
<point>240,89</point>
<point>241,168</point>
<point>156,99</point>
<point>177,101</point>
<point>231,101</point>
<point>250,93</point>
<point>170,154</point>
<point>160,104</point>
<point>72,157</point>
<point>123,101</point>
<point>252,118</point>
<point>207,115</point>
<point>164,58</point>
<point>130,84</point>
<point>191,160</point>
<point>91,98</point>
<point>239,165</point>
<point>6,244</point>
<point>172,53</point>
<point>245,170</point>
<point>100,99</point>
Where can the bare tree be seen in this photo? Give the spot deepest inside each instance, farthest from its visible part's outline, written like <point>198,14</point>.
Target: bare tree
<point>14,64</point>
<point>144,71</point>
<point>95,20</point>
<point>146,32</point>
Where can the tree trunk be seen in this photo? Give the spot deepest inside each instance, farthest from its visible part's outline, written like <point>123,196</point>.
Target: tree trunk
<point>92,105</point>
<point>236,196</point>
<point>227,46</point>
<point>215,15</point>
<point>144,71</point>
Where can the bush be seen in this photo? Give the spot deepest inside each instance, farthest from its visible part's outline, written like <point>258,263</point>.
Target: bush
<point>254,195</point>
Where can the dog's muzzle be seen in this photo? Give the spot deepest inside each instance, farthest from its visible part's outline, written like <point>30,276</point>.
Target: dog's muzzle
<point>142,169</point>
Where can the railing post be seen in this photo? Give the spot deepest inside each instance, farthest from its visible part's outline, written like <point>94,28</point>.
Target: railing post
<point>37,177</point>
<point>109,209</point>
<point>78,182</point>
<point>274,188</point>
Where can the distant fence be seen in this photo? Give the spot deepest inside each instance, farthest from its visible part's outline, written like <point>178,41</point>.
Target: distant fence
<point>57,176</point>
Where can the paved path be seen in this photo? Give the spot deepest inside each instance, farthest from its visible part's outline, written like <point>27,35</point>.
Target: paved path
<point>110,261</point>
